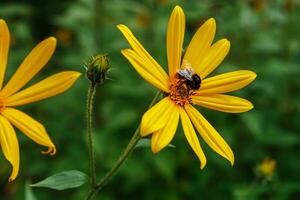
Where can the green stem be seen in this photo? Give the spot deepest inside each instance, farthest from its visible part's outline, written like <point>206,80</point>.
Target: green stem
<point>89,110</point>
<point>128,150</point>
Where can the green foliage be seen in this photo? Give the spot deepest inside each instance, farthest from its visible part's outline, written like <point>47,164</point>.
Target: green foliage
<point>63,180</point>
<point>265,38</point>
<point>28,193</point>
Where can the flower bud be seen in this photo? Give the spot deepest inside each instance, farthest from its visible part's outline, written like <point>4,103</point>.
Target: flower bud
<point>97,69</point>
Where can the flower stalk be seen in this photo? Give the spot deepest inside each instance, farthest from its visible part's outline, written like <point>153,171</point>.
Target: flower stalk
<point>128,150</point>
<point>89,109</point>
<point>96,73</point>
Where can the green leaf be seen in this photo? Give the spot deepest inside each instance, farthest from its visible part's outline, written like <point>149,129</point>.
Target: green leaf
<point>63,180</point>
<point>145,142</point>
<point>28,193</point>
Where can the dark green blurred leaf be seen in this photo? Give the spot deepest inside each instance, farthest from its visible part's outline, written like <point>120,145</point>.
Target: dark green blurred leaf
<point>14,9</point>
<point>63,180</point>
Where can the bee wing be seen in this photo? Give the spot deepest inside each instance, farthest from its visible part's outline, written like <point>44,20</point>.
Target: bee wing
<point>187,70</point>
<point>190,71</point>
<point>186,74</point>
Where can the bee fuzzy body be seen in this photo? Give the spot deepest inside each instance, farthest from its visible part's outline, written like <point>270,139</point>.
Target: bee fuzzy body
<point>190,78</point>
<point>184,85</point>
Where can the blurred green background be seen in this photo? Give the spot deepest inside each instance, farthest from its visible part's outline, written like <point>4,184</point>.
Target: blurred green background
<point>265,38</point>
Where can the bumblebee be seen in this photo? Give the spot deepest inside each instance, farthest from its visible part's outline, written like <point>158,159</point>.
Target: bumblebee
<point>190,78</point>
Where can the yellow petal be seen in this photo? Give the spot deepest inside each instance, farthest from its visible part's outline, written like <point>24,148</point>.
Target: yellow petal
<point>157,116</point>
<point>223,103</point>
<point>46,88</point>
<point>4,48</point>
<point>163,137</point>
<point>10,146</point>
<point>30,127</point>
<point>215,55</point>
<point>209,134</point>
<point>146,70</point>
<point>192,138</point>
<point>200,44</point>
<point>31,65</point>
<point>139,49</point>
<point>175,36</point>
<point>226,82</point>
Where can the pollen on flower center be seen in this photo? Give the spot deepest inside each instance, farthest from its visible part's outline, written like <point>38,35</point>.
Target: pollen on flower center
<point>2,105</point>
<point>180,92</point>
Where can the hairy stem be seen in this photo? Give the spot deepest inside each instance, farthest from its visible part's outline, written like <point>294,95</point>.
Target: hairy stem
<point>89,112</point>
<point>128,150</point>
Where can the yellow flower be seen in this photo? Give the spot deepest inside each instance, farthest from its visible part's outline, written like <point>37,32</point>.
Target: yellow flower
<point>181,86</point>
<point>12,95</point>
<point>267,167</point>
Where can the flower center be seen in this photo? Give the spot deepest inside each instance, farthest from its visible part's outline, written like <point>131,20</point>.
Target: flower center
<point>181,90</point>
<point>2,105</point>
<point>184,84</point>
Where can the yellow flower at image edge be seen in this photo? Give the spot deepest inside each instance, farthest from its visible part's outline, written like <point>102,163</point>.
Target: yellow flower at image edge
<point>11,96</point>
<point>187,84</point>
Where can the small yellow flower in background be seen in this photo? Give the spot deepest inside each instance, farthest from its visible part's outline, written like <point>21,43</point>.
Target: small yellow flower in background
<point>187,85</point>
<point>267,167</point>
<point>12,95</point>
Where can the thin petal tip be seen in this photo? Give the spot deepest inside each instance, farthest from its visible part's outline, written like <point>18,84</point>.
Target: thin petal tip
<point>225,41</point>
<point>50,43</point>
<point>231,160</point>
<point>124,51</point>
<point>121,26</point>
<point>155,146</point>
<point>230,157</point>
<point>247,106</point>
<point>224,44</point>
<point>73,74</point>
<point>250,76</point>
<point>211,21</point>
<point>251,106</point>
<point>13,174</point>
<point>51,150</point>
<point>144,131</point>
<point>51,39</point>
<point>202,165</point>
<point>77,74</point>
<point>155,149</point>
<point>253,75</point>
<point>2,22</point>
<point>11,179</point>
<point>178,8</point>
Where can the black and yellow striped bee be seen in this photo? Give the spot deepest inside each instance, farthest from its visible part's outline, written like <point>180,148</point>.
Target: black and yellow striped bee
<point>189,77</point>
